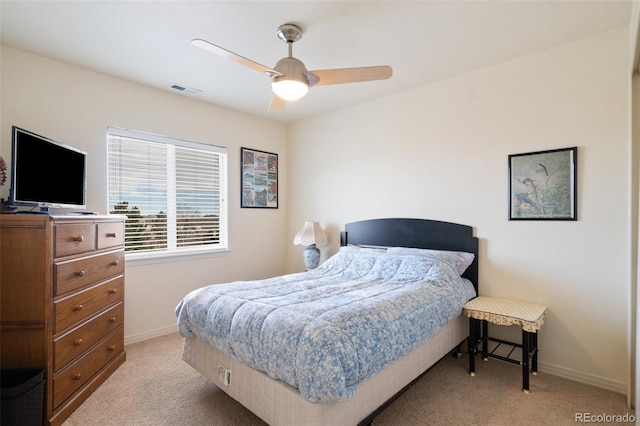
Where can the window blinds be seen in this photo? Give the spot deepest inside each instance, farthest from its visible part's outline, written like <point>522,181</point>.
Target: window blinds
<point>171,190</point>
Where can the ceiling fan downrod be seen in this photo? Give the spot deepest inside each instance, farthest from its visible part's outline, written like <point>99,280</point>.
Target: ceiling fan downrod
<point>289,33</point>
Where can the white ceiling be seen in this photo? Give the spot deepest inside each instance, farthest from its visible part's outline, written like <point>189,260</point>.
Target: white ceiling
<point>424,41</point>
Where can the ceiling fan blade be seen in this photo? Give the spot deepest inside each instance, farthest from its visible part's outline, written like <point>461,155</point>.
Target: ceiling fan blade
<point>212,48</point>
<point>352,75</point>
<point>277,104</point>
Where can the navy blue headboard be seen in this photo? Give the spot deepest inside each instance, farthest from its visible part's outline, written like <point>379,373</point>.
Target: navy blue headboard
<point>415,233</point>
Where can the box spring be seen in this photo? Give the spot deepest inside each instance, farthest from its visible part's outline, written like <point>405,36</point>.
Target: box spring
<point>277,403</point>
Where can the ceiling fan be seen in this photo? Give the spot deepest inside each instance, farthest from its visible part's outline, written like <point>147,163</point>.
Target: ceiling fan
<point>290,78</point>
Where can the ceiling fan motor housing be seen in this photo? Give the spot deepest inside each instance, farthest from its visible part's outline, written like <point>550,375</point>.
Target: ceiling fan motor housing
<point>292,69</point>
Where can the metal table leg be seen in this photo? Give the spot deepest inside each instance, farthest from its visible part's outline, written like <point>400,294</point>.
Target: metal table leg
<point>485,339</point>
<point>525,361</point>
<point>534,349</point>
<point>473,342</point>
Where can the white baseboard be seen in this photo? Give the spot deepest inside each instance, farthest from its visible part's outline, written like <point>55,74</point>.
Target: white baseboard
<point>578,376</point>
<point>135,338</point>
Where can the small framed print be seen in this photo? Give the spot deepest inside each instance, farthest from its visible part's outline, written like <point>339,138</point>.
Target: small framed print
<point>542,185</point>
<point>259,179</point>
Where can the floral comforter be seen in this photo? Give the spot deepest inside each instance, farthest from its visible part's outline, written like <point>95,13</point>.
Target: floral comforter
<point>325,330</point>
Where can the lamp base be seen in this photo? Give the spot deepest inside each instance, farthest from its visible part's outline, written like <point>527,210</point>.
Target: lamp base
<point>311,256</point>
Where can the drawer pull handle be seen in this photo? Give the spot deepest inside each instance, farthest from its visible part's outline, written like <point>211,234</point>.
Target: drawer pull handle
<point>113,291</point>
<point>112,348</point>
<point>112,235</point>
<point>78,308</point>
<point>113,319</point>
<point>77,376</point>
<point>79,239</point>
<point>80,273</point>
<point>115,263</point>
<point>78,342</point>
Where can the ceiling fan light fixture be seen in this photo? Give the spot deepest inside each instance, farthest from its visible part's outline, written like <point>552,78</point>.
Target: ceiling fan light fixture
<point>292,84</point>
<point>288,89</point>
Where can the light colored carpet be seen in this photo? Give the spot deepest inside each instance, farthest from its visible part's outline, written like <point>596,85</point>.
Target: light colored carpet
<point>155,387</point>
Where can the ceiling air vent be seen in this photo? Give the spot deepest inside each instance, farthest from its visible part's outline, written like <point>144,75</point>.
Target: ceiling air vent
<point>184,89</point>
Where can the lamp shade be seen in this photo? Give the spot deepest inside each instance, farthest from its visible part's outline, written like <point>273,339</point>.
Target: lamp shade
<point>311,233</point>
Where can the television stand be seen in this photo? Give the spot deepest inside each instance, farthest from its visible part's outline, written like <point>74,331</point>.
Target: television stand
<point>71,213</point>
<point>50,210</point>
<point>4,209</point>
<point>52,213</point>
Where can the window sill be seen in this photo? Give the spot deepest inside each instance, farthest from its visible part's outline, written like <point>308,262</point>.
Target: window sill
<point>140,259</point>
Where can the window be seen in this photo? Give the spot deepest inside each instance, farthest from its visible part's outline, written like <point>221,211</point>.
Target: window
<point>172,191</point>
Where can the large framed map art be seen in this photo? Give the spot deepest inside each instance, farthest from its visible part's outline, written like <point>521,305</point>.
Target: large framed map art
<point>259,177</point>
<point>542,185</point>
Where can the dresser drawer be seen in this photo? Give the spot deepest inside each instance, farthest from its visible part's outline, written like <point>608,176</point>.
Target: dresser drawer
<point>77,273</point>
<point>77,341</point>
<point>72,309</point>
<point>110,234</point>
<point>77,374</point>
<point>74,238</point>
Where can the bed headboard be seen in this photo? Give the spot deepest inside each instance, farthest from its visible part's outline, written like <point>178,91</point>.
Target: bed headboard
<point>415,233</point>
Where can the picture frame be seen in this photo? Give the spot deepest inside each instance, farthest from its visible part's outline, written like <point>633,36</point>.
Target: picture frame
<point>542,185</point>
<point>259,177</point>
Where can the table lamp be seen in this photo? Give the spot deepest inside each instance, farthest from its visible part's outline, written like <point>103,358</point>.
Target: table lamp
<point>311,235</point>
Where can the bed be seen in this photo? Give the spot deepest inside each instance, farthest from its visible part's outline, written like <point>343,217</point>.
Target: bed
<point>336,363</point>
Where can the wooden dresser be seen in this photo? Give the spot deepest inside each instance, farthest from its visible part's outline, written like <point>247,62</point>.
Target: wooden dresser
<point>62,302</point>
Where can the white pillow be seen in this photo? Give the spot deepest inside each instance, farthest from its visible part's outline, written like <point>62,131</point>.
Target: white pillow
<point>364,249</point>
<point>462,260</point>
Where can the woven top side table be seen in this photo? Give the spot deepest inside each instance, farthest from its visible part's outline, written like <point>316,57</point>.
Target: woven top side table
<point>503,311</point>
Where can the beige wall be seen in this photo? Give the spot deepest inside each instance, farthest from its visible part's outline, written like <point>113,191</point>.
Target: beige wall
<point>440,152</point>
<point>75,106</point>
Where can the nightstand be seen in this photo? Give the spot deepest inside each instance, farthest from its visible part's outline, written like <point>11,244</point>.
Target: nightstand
<point>501,311</point>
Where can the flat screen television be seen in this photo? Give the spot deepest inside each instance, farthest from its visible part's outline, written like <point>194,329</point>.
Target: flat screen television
<point>46,173</point>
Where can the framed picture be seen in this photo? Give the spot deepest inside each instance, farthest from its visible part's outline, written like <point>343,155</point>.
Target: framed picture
<point>259,179</point>
<point>542,185</point>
